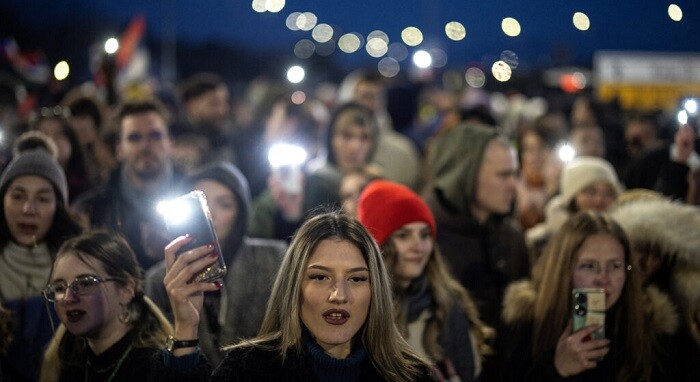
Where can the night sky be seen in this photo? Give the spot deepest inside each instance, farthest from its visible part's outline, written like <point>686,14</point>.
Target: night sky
<point>548,37</point>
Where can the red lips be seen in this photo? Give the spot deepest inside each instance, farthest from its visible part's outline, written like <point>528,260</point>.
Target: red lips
<point>336,316</point>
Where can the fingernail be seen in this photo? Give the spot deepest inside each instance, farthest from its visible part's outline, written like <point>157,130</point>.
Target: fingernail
<point>218,284</point>
<point>214,254</point>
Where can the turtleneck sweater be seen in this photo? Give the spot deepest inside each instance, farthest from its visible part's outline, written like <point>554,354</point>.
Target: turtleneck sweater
<point>326,368</point>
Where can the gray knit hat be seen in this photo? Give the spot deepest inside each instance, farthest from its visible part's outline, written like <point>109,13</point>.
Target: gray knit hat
<point>36,162</point>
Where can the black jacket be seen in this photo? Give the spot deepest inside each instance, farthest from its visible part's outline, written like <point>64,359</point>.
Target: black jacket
<point>257,364</point>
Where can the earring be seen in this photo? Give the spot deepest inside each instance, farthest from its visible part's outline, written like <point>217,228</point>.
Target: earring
<point>125,315</point>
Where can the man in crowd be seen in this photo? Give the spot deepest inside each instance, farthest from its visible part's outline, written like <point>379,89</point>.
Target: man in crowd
<point>471,191</point>
<point>126,203</point>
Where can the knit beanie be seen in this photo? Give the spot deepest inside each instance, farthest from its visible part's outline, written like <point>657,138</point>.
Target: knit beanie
<point>36,162</point>
<point>386,206</point>
<point>582,171</point>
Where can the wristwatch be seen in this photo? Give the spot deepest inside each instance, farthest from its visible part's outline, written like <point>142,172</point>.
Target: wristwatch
<point>173,343</point>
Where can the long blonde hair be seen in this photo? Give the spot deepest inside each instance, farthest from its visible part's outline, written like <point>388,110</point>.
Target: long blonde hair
<point>388,351</point>
<point>553,301</point>
<point>147,320</point>
<point>446,291</point>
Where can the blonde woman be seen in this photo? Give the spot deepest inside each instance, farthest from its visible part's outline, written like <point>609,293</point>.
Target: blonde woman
<point>329,317</point>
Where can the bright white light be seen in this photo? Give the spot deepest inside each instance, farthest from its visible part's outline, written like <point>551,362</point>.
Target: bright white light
<point>682,117</point>
<point>259,6</point>
<point>322,32</point>
<point>510,26</point>
<point>349,42</point>
<point>566,153</point>
<point>422,59</point>
<point>285,154</point>
<point>274,6</point>
<point>295,74</point>
<point>376,47</point>
<point>111,45</point>
<point>174,211</point>
<point>675,12</point>
<point>691,106</point>
<point>412,36</point>
<point>61,71</point>
<point>581,21</point>
<point>501,71</point>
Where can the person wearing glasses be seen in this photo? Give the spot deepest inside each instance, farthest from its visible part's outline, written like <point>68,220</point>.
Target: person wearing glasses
<point>537,341</point>
<point>110,331</point>
<point>34,222</point>
<point>329,317</point>
<point>126,202</point>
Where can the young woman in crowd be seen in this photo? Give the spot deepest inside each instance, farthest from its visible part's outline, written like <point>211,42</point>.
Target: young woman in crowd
<point>433,311</point>
<point>34,222</point>
<point>330,315</point>
<point>586,184</point>
<point>537,341</point>
<point>110,331</point>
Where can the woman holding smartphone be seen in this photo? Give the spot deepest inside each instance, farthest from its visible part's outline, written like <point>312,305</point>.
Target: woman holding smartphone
<point>538,342</point>
<point>329,317</point>
<point>434,312</point>
<point>109,330</point>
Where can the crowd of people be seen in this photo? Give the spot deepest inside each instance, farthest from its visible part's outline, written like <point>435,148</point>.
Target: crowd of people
<point>409,241</point>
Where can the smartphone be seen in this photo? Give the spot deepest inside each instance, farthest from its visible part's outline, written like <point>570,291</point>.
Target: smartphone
<point>189,215</point>
<point>291,178</point>
<point>588,308</point>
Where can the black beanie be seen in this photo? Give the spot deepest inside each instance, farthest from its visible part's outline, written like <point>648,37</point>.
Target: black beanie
<point>36,162</point>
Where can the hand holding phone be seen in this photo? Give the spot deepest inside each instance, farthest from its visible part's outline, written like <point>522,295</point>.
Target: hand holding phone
<point>588,308</point>
<point>189,215</point>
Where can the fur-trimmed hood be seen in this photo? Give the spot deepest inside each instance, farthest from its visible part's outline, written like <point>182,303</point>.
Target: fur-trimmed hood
<point>519,305</point>
<point>673,226</point>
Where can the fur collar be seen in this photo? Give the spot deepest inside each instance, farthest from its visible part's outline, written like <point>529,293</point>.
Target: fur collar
<point>519,305</point>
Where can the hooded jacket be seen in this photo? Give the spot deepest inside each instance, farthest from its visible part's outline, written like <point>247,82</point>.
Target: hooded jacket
<point>486,257</point>
<point>251,269</point>
<point>673,229</point>
<point>514,345</point>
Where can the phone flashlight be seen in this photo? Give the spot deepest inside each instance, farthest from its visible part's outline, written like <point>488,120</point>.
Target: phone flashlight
<point>566,152</point>
<point>286,161</point>
<point>189,215</point>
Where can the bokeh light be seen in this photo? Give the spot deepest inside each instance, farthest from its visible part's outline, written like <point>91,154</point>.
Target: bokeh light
<point>388,67</point>
<point>322,33</point>
<point>259,6</point>
<point>306,21</point>
<point>422,59</point>
<point>325,48</point>
<point>475,77</point>
<point>438,57</point>
<point>304,48</point>
<point>510,58</point>
<point>274,6</point>
<point>510,26</point>
<point>350,42</point>
<point>675,12</point>
<point>376,47</point>
<point>581,21</point>
<point>501,71</point>
<point>455,31</point>
<point>295,74</point>
<point>111,45</point>
<point>378,34</point>
<point>397,51</point>
<point>298,97</point>
<point>412,36</point>
<point>61,70</point>
<point>292,21</point>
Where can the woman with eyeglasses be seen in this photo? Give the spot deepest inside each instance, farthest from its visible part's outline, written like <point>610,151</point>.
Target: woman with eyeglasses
<point>109,330</point>
<point>537,341</point>
<point>34,222</point>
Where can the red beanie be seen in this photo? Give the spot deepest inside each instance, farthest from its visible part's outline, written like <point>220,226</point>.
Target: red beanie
<point>386,206</point>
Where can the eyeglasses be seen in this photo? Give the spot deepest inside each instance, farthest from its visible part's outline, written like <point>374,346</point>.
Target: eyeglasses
<point>594,268</point>
<point>81,286</point>
<point>153,136</point>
